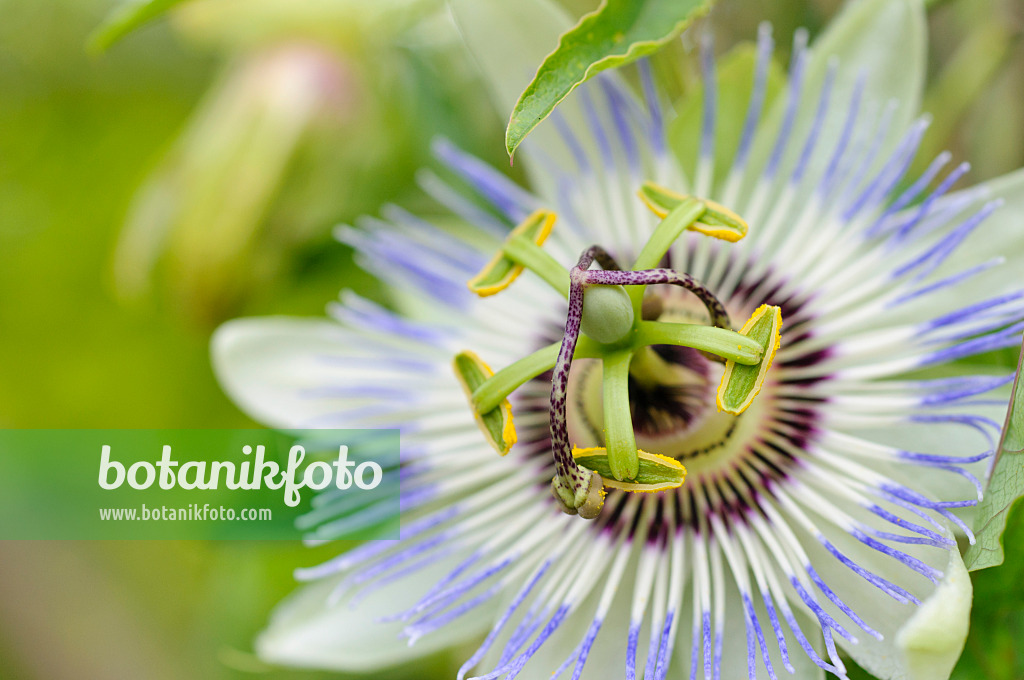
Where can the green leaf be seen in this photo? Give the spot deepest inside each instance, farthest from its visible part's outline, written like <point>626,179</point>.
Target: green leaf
<point>616,33</point>
<point>1005,486</point>
<point>125,18</point>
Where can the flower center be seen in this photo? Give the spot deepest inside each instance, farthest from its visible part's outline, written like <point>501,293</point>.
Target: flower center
<point>666,408</point>
<point>671,397</point>
<point>647,405</point>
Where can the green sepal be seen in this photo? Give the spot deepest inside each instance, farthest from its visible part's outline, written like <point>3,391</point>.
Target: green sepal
<point>496,424</point>
<point>502,270</point>
<point>656,472</point>
<point>740,384</point>
<point>1004,493</point>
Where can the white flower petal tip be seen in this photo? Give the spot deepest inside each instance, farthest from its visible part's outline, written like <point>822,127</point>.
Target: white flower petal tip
<point>308,631</point>
<point>508,40</point>
<point>268,366</point>
<point>932,640</point>
<point>867,38</point>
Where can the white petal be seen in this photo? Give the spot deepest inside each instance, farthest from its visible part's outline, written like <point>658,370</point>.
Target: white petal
<point>933,638</point>
<point>305,631</point>
<point>264,364</point>
<point>872,37</point>
<point>1001,235</point>
<point>883,41</point>
<point>509,41</point>
<point>734,647</point>
<point>948,439</point>
<point>889,658</point>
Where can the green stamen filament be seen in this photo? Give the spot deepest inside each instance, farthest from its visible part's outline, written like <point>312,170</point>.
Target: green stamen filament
<point>665,234</point>
<point>509,379</point>
<point>527,253</point>
<point>647,368</point>
<point>725,343</point>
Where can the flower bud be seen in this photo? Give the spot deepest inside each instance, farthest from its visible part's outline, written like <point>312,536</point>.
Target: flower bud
<point>212,222</point>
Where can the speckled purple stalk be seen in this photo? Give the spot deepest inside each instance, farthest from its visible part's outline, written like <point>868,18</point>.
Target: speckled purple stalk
<point>646,277</point>
<point>601,257</point>
<point>565,464</point>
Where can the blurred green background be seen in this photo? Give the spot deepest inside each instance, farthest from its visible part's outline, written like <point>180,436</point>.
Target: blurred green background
<point>193,173</point>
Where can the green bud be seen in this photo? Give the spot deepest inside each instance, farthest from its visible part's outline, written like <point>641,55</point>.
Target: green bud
<point>223,214</point>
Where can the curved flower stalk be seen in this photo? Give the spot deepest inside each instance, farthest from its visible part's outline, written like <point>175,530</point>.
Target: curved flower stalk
<point>818,523</point>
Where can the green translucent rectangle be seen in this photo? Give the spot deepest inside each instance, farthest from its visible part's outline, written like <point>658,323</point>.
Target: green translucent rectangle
<point>68,485</point>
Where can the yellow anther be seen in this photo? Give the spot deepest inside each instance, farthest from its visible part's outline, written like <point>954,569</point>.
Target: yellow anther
<point>740,384</point>
<point>496,424</point>
<point>657,472</point>
<point>717,221</point>
<point>502,270</point>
